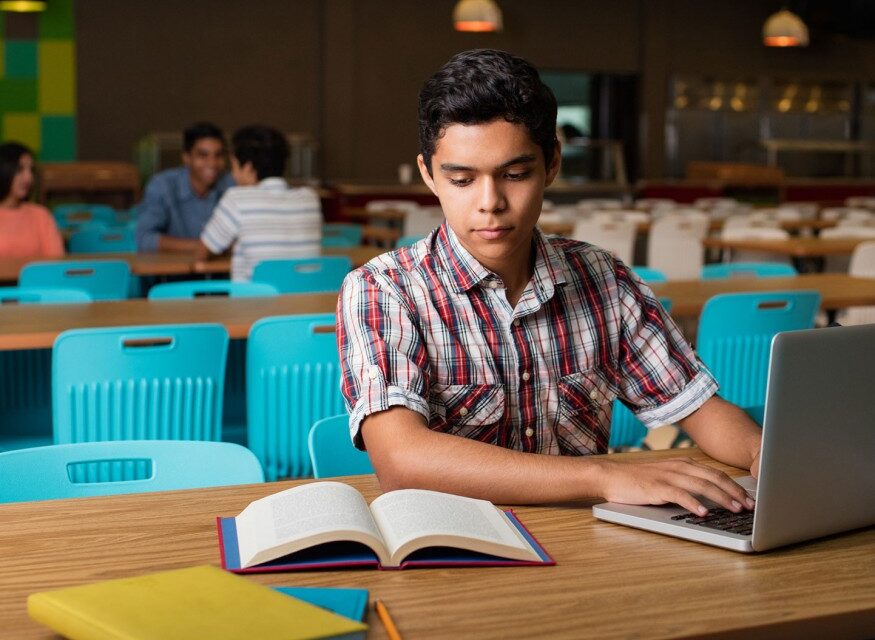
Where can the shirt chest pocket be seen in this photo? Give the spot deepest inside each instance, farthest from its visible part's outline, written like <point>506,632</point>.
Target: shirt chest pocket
<point>585,401</point>
<point>466,410</point>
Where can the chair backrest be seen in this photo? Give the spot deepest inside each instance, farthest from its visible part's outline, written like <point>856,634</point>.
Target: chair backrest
<point>844,213</point>
<point>332,452</point>
<point>103,240</point>
<point>651,204</point>
<point>649,275</point>
<point>747,270</point>
<point>71,216</point>
<point>102,279</point>
<point>715,203</point>
<point>398,205</point>
<point>406,241</point>
<point>862,265</point>
<point>421,221</point>
<point>683,223</point>
<point>28,295</point>
<point>292,380</point>
<point>56,471</point>
<point>595,204</point>
<point>678,257</point>
<point>862,202</point>
<point>618,236</point>
<point>338,234</point>
<point>735,336</point>
<point>304,275</point>
<point>210,289</point>
<point>749,220</point>
<point>162,382</point>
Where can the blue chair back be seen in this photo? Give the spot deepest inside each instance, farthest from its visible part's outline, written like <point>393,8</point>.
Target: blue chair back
<point>53,472</point>
<point>163,382</point>
<point>73,216</point>
<point>626,429</point>
<point>337,234</point>
<point>103,240</point>
<point>102,279</point>
<point>406,241</point>
<point>292,380</point>
<point>304,275</point>
<point>28,295</point>
<point>211,288</point>
<point>649,274</point>
<point>735,337</point>
<point>332,452</point>
<point>747,270</point>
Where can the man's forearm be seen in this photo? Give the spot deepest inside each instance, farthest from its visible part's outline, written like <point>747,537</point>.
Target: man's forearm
<point>169,243</point>
<point>724,432</point>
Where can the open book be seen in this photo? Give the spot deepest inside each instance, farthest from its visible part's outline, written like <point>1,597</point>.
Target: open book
<point>329,524</point>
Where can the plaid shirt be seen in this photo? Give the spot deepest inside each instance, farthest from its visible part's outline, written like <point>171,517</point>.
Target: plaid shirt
<point>429,328</point>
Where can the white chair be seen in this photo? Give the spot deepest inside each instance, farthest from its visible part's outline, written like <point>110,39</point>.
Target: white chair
<point>857,221</point>
<point>548,205</point>
<point>595,204</point>
<point>862,265</point>
<point>651,204</point>
<point>808,210</point>
<point>422,220</point>
<point>860,202</point>
<point>707,204</point>
<point>748,220</point>
<point>617,236</point>
<point>674,245</point>
<point>685,222</point>
<point>844,213</point>
<point>839,263</point>
<point>755,233</point>
<point>383,205</point>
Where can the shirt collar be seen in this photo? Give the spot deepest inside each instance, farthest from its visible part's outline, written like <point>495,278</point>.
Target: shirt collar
<point>185,191</point>
<point>274,183</point>
<point>466,272</point>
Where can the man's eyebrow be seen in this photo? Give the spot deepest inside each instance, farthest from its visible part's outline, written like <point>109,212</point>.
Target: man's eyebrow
<point>528,157</point>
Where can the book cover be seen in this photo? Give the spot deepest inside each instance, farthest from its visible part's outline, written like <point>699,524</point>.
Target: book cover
<point>196,602</point>
<point>351,603</point>
<point>351,555</point>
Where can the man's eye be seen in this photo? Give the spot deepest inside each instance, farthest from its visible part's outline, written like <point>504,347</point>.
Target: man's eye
<point>518,176</point>
<point>460,182</point>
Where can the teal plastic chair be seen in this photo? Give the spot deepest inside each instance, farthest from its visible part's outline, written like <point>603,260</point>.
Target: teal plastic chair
<point>304,275</point>
<point>332,452</point>
<point>103,240</point>
<point>406,241</point>
<point>747,270</point>
<point>337,234</point>
<point>76,215</point>
<point>53,472</point>
<point>627,430</point>
<point>292,380</point>
<point>102,279</point>
<point>649,274</point>
<point>211,288</point>
<point>29,295</point>
<point>161,382</point>
<point>735,337</point>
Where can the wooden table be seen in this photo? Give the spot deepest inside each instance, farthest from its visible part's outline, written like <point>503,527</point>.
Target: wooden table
<point>837,291</point>
<point>35,326</point>
<point>566,228</point>
<point>609,581</point>
<point>794,247</point>
<point>175,263</point>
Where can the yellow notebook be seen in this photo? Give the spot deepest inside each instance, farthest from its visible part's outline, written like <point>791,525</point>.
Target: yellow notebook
<point>197,602</point>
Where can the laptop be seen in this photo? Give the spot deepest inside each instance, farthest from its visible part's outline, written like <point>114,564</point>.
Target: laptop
<point>817,467</point>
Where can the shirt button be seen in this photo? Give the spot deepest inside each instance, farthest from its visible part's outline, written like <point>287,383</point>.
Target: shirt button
<point>526,375</point>
<point>530,432</point>
<point>463,412</point>
<point>493,284</point>
<point>373,372</point>
<point>516,322</point>
<point>593,394</point>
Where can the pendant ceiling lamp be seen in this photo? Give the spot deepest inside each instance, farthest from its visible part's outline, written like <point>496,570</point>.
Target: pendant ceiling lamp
<point>477,15</point>
<point>785,29</point>
<point>22,6</point>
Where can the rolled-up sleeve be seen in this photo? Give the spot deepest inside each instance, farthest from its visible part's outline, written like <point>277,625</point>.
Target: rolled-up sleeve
<point>153,216</point>
<point>223,226</point>
<point>383,359</point>
<point>661,379</point>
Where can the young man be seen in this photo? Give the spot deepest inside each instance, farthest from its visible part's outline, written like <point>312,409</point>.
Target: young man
<point>178,202</point>
<point>484,360</point>
<point>262,217</point>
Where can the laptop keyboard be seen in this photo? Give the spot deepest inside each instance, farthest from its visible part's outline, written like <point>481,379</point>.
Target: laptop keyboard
<point>722,520</point>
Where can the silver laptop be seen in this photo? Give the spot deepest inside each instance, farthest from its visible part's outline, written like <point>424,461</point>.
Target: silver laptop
<point>817,469</point>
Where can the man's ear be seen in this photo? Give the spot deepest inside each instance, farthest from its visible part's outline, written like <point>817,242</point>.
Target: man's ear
<point>423,171</point>
<point>554,165</point>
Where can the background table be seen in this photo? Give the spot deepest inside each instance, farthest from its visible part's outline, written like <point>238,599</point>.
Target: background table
<point>609,581</point>
<point>794,247</point>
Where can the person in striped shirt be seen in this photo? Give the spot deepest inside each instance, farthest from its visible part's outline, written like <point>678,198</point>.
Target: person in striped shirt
<point>484,359</point>
<point>262,217</point>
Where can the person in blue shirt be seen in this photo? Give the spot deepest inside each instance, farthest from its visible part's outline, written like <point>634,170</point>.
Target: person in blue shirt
<point>178,202</point>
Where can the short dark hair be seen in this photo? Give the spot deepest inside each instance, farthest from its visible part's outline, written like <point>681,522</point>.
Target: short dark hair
<point>265,147</point>
<point>482,85</point>
<point>10,157</point>
<point>198,131</point>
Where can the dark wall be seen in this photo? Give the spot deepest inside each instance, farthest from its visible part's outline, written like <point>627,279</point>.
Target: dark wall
<point>349,71</point>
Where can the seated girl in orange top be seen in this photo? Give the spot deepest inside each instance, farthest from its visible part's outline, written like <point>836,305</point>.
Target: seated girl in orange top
<point>26,229</point>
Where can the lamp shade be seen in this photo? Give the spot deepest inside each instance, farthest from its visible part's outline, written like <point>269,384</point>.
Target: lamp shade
<point>22,6</point>
<point>785,29</point>
<point>477,15</point>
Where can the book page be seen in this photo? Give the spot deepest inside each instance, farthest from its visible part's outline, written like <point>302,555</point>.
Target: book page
<point>316,512</point>
<point>411,514</point>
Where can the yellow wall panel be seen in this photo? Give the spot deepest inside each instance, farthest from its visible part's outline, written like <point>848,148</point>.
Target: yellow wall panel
<point>23,128</point>
<point>57,77</point>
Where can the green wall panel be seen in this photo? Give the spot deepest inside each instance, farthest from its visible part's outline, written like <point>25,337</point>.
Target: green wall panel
<point>18,94</point>
<point>58,134</point>
<point>57,21</point>
<point>20,59</point>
